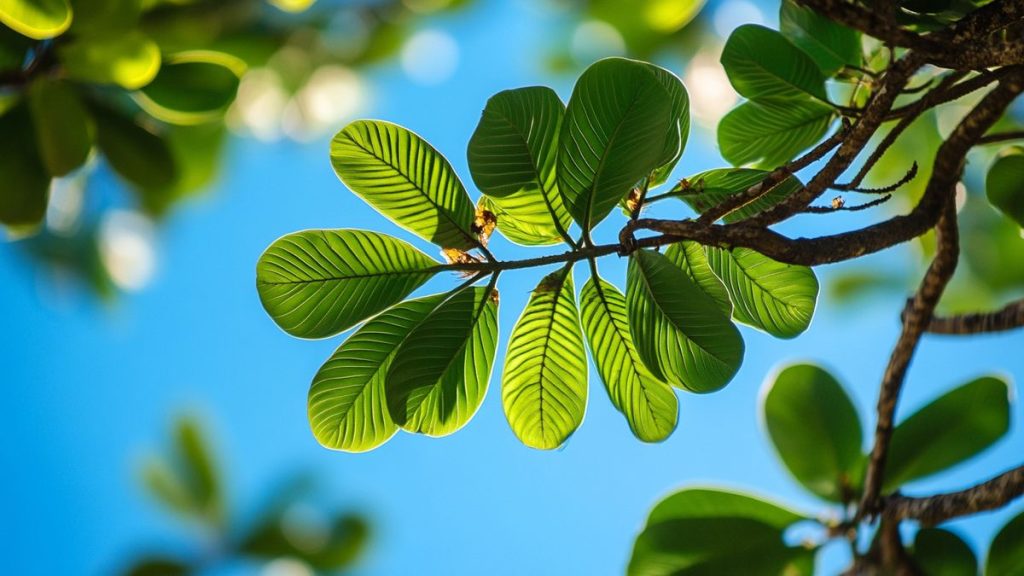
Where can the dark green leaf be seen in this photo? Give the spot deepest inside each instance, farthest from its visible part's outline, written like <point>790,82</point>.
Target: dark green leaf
<point>815,429</point>
<point>105,16</point>
<point>26,184</point>
<point>128,59</point>
<point>63,129</point>
<point>347,409</point>
<point>198,469</point>
<point>762,64</point>
<point>679,130</point>
<point>159,566</point>
<point>441,370</point>
<point>615,133</point>
<point>949,430</point>
<point>1006,555</point>
<point>544,385</point>
<point>692,259</point>
<point>939,552</point>
<point>708,189</point>
<point>407,180</point>
<point>831,45</point>
<point>192,87</point>
<point>716,503</point>
<point>1005,184</point>
<point>775,297</point>
<point>515,145</point>
<point>679,331</point>
<point>133,151</point>
<point>649,405</point>
<point>317,283</point>
<point>771,134</point>
<point>37,19</point>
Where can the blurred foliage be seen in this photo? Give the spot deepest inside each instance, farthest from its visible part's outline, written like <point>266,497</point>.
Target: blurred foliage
<point>143,91</point>
<point>187,482</point>
<point>818,435</point>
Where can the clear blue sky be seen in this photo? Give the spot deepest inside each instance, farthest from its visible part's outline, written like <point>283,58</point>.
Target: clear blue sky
<point>91,389</point>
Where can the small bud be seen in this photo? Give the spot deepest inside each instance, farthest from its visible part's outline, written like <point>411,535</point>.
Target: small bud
<point>838,203</point>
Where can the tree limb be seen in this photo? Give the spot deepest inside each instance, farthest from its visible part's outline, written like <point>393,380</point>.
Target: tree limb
<point>933,510</point>
<point>1007,318</point>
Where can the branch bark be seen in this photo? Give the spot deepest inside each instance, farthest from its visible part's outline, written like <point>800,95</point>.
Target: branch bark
<point>933,510</point>
<point>1006,318</point>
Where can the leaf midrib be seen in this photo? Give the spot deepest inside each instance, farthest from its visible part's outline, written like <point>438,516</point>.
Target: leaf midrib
<point>417,187</point>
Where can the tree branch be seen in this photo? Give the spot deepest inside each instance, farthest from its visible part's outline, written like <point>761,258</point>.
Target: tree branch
<point>1007,318</point>
<point>933,510</point>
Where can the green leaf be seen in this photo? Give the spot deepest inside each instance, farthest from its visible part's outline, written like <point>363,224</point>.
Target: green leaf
<point>192,87</point>
<point>166,485</point>
<point>347,409</point>
<point>133,151</point>
<point>292,5</point>
<point>1006,555</point>
<point>525,218</point>
<point>939,552</point>
<point>327,547</point>
<point>679,331</point>
<point>771,296</point>
<point>771,134</point>
<point>405,179</point>
<point>317,283</point>
<point>105,16</point>
<point>716,503</point>
<point>814,428</point>
<point>441,370</point>
<point>515,145</point>
<point>949,430</point>
<point>692,259</point>
<point>63,129</point>
<point>762,64</point>
<point>708,189</point>
<point>198,469</point>
<point>544,385</point>
<point>829,44</point>
<point>1004,184</point>
<point>128,59</point>
<point>679,130</point>
<point>708,532</point>
<point>26,185</point>
<point>37,19</point>
<point>615,133</point>
<point>159,566</point>
<point>649,405</point>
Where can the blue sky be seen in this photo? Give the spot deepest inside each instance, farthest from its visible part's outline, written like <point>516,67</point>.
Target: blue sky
<point>92,389</point>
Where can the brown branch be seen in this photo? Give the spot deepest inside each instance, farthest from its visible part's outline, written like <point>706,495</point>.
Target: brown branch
<point>1007,318</point>
<point>839,206</point>
<point>917,316</point>
<point>933,510</point>
<point>999,137</point>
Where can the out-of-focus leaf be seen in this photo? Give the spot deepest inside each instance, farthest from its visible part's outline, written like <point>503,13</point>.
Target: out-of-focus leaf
<point>992,246</point>
<point>140,156</point>
<point>949,430</point>
<point>166,485</point>
<point>407,180</point>
<point>679,331</point>
<point>1006,555</point>
<point>441,370</point>
<point>332,549</point>
<point>159,566</point>
<point>708,189</point>
<point>292,5</point>
<point>649,405</point>
<point>26,184</point>
<point>347,409</point>
<point>37,19</point>
<point>762,64</point>
<point>615,132</point>
<point>770,134</point>
<point>829,44</point>
<point>63,129</point>
<point>197,152</point>
<point>129,59</point>
<point>317,283</point>
<point>713,502</point>
<point>544,385</point>
<point>1005,184</point>
<point>192,87</point>
<point>105,16</point>
<point>198,468</point>
<point>939,552</point>
<point>692,259</point>
<point>815,429</point>
<point>775,297</point>
<point>745,536</point>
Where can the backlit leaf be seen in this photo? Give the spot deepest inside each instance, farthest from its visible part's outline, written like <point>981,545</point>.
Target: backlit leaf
<point>770,134</point>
